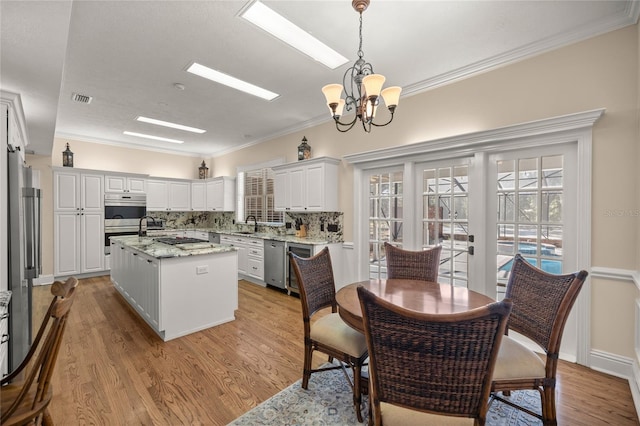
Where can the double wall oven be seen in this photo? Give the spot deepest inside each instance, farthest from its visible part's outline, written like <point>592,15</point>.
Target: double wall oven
<point>122,213</point>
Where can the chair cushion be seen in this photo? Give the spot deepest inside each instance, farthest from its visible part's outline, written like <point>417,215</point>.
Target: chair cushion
<point>393,415</point>
<point>516,361</point>
<point>331,330</point>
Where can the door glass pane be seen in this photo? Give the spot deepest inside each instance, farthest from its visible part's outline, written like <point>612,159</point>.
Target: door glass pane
<point>445,217</point>
<point>529,219</point>
<point>385,218</point>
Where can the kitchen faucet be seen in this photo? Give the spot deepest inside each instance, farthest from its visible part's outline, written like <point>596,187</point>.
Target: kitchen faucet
<point>140,233</point>
<point>255,222</point>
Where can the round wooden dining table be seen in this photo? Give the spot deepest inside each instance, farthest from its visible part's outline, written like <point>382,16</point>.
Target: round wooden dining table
<point>420,296</point>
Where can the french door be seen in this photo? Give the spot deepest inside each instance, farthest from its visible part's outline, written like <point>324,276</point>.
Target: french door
<point>482,210</point>
<point>484,197</point>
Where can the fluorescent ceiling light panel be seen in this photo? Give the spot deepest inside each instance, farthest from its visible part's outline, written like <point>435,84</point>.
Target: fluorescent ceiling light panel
<point>157,138</point>
<point>285,30</point>
<point>232,82</point>
<point>169,124</point>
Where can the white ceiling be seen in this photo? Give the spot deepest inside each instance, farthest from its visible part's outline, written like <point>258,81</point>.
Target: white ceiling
<point>128,55</point>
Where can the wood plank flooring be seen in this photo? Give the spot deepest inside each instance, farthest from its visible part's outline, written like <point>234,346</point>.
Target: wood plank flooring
<point>114,370</point>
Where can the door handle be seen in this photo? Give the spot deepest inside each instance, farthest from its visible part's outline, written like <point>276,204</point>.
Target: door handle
<point>471,250</point>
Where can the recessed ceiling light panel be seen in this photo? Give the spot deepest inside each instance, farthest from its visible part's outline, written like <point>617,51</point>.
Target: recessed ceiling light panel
<point>169,124</point>
<point>156,138</point>
<point>285,30</point>
<point>234,83</point>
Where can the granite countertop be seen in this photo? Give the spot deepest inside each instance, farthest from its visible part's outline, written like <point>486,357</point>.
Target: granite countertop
<point>151,247</point>
<point>260,235</point>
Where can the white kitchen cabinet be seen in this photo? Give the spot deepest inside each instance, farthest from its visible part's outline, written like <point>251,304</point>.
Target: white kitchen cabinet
<point>221,194</point>
<point>198,196</point>
<point>179,196</point>
<point>250,256</point>
<point>241,247</point>
<point>137,277</point>
<point>157,195</point>
<point>255,258</point>
<point>125,183</point>
<point>309,185</point>
<point>168,195</point>
<point>78,223</point>
<point>77,191</point>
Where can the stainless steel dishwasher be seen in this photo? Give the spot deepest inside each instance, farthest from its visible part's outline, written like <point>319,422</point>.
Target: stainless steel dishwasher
<point>274,263</point>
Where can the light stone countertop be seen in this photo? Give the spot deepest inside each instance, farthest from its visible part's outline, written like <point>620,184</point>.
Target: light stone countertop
<point>151,247</point>
<point>260,235</point>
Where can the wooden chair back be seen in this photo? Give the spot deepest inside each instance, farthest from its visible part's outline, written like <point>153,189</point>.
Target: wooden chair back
<point>412,265</point>
<point>439,364</point>
<point>27,401</point>
<point>59,290</point>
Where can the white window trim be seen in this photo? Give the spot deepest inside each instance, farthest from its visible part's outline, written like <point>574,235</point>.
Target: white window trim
<point>240,191</point>
<point>572,128</point>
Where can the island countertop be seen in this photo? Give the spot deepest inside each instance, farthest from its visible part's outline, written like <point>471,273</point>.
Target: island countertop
<point>153,248</point>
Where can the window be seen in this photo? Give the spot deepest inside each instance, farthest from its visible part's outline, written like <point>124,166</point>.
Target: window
<point>255,196</point>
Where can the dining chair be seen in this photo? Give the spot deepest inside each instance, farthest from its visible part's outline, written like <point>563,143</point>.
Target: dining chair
<point>58,290</point>
<point>541,305</point>
<point>327,333</point>
<point>26,401</point>
<point>430,369</point>
<point>412,265</point>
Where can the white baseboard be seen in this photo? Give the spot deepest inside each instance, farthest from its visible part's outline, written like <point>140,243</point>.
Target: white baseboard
<point>43,280</point>
<point>612,364</point>
<point>634,384</point>
<point>622,367</point>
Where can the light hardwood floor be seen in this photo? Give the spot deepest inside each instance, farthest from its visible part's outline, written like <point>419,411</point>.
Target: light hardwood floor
<point>114,370</point>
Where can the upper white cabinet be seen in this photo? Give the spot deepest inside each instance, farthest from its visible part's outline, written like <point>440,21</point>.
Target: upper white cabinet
<point>125,183</point>
<point>168,195</point>
<point>77,191</point>
<point>198,195</point>
<point>221,194</point>
<point>309,185</point>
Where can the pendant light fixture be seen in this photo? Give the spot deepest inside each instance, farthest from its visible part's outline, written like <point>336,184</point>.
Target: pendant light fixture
<point>363,89</point>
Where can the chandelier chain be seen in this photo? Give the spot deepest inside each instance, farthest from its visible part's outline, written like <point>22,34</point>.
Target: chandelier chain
<point>360,52</point>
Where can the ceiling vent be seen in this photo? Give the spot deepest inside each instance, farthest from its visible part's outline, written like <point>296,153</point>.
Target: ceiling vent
<point>83,99</point>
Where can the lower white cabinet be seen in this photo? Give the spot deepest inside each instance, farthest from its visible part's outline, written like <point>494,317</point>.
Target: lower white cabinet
<point>250,255</point>
<point>79,243</point>
<point>137,277</point>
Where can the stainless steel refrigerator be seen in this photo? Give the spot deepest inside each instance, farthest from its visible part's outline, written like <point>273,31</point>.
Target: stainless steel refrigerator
<point>24,246</point>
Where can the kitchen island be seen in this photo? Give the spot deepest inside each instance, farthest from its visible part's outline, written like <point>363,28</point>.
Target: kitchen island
<point>177,286</point>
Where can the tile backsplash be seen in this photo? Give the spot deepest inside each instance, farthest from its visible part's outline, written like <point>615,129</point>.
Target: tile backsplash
<point>317,223</point>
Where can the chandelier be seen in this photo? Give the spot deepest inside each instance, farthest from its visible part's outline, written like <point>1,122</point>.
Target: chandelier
<point>362,88</point>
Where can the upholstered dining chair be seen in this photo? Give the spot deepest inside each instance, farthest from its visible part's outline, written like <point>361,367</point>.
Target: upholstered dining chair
<point>25,401</point>
<point>541,305</point>
<point>328,333</point>
<point>430,369</point>
<point>412,265</point>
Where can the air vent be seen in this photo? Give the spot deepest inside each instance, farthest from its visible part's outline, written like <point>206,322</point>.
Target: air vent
<point>83,99</point>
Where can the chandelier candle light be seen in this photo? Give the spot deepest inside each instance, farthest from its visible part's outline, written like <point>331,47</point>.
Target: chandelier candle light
<point>362,88</point>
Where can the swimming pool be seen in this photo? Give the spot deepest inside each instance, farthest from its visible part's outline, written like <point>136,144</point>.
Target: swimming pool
<point>548,265</point>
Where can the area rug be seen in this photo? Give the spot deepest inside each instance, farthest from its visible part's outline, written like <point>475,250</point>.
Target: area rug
<point>328,401</point>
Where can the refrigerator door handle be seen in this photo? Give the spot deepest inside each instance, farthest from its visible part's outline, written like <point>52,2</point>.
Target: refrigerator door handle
<point>32,248</point>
